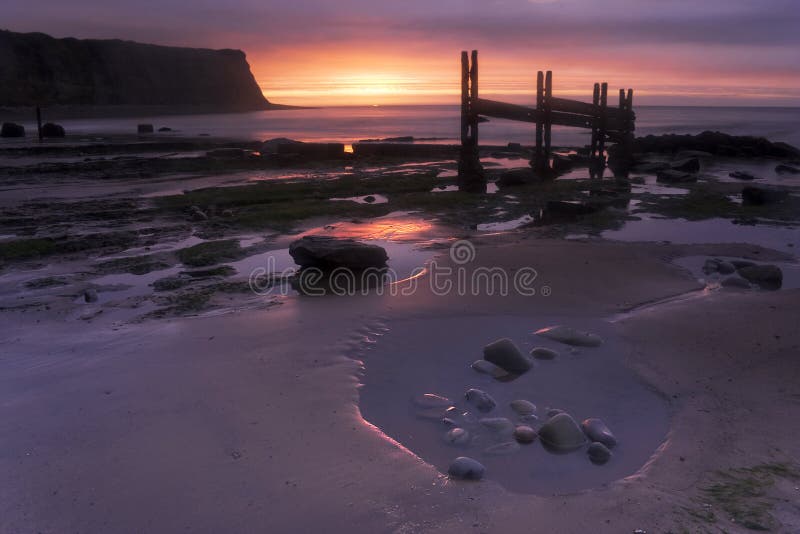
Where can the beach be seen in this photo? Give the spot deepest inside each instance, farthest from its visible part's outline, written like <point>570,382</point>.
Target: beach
<point>146,387</point>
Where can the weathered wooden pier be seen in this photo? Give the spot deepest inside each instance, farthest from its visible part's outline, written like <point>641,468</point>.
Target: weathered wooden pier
<point>614,124</point>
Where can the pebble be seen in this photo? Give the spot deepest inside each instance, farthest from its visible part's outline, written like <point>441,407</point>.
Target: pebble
<point>598,453</point>
<point>571,336</point>
<point>523,407</point>
<point>480,399</point>
<point>90,295</point>
<point>466,468</point>
<point>457,436</point>
<point>487,368</point>
<point>499,425</point>
<point>505,354</point>
<point>562,434</point>
<point>524,434</point>
<point>543,353</point>
<point>596,430</point>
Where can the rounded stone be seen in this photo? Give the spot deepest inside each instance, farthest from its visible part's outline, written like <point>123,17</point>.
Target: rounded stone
<point>725,267</point>
<point>596,430</point>
<point>457,436</point>
<point>498,425</point>
<point>505,354</point>
<point>488,368</point>
<point>466,468</point>
<point>543,353</point>
<point>502,449</point>
<point>562,434</point>
<point>523,407</point>
<point>598,453</point>
<point>480,399</point>
<point>90,295</point>
<point>524,434</point>
<point>570,336</point>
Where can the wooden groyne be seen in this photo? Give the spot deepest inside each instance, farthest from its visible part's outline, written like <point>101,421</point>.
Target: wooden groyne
<point>607,123</point>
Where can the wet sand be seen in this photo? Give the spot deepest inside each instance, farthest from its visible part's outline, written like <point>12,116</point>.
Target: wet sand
<point>244,420</point>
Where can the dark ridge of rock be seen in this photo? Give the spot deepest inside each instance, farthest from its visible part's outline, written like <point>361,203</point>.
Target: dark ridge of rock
<point>40,70</point>
<point>327,253</point>
<point>716,143</point>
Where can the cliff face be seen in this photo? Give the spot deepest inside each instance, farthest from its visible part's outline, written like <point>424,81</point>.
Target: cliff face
<point>36,69</point>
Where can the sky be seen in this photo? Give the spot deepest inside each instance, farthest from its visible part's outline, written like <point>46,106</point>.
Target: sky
<point>372,52</point>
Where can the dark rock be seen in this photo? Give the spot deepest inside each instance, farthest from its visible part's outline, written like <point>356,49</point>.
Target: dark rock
<point>516,177</point>
<point>598,453</point>
<point>144,129</point>
<point>11,129</point>
<point>766,276</point>
<point>53,130</point>
<point>271,146</point>
<point>228,153</point>
<point>711,265</point>
<point>90,295</point>
<point>726,267</point>
<point>742,263</point>
<point>543,353</point>
<point>686,165</point>
<point>465,468</point>
<point>165,129</point>
<point>596,430</point>
<point>523,407</point>
<point>488,368</point>
<point>563,209</point>
<point>480,399</point>
<point>741,175</point>
<point>524,434</point>
<point>672,176</point>
<point>562,434</point>
<point>369,199</point>
<point>327,253</point>
<point>505,354</point>
<point>786,169</point>
<point>716,143</point>
<point>758,196</point>
<point>457,436</point>
<point>516,147</point>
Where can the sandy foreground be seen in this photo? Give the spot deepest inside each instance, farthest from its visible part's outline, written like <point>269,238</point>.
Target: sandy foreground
<point>250,421</point>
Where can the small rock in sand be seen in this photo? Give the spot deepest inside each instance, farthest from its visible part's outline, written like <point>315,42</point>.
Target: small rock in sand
<point>457,436</point>
<point>505,354</point>
<point>90,295</point>
<point>543,353</point>
<point>502,449</point>
<point>480,399</point>
<point>726,267</point>
<point>562,434</point>
<point>524,434</point>
<point>596,430</point>
<point>466,468</point>
<point>498,425</point>
<point>598,453</point>
<point>570,336</point>
<point>741,175</point>
<point>431,400</point>
<point>523,407</point>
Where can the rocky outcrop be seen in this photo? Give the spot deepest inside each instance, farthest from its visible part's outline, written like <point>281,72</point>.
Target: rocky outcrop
<point>715,143</point>
<point>36,69</point>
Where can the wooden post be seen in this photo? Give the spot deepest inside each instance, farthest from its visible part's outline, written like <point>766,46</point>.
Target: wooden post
<point>596,103</point>
<point>548,95</point>
<point>537,157</point>
<point>473,78</point>
<point>464,98</point>
<point>601,144</point>
<point>39,122</point>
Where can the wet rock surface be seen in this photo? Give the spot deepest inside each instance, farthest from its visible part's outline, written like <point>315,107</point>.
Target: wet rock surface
<point>506,355</point>
<point>543,353</point>
<point>465,468</point>
<point>482,401</point>
<point>598,453</point>
<point>766,276</point>
<point>562,434</point>
<point>328,253</point>
<point>596,430</point>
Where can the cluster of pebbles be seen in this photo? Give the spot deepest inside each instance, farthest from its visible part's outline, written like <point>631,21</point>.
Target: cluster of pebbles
<point>484,425</point>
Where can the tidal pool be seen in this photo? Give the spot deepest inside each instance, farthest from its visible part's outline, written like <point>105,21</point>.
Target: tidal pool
<point>433,355</point>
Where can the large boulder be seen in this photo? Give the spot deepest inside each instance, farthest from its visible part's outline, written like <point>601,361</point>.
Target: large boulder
<point>11,129</point>
<point>53,130</point>
<point>562,434</point>
<point>271,146</point>
<point>328,253</point>
<point>766,276</point>
<point>505,354</point>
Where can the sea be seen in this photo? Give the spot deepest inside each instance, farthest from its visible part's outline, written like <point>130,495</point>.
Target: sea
<point>439,124</point>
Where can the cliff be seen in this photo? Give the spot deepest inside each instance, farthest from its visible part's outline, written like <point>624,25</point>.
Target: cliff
<point>36,69</point>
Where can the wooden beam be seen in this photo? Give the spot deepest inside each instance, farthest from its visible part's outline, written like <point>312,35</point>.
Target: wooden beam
<point>538,156</point>
<point>548,121</point>
<point>473,97</point>
<point>596,106</point>
<point>464,98</point>
<point>580,108</point>
<point>514,112</point>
